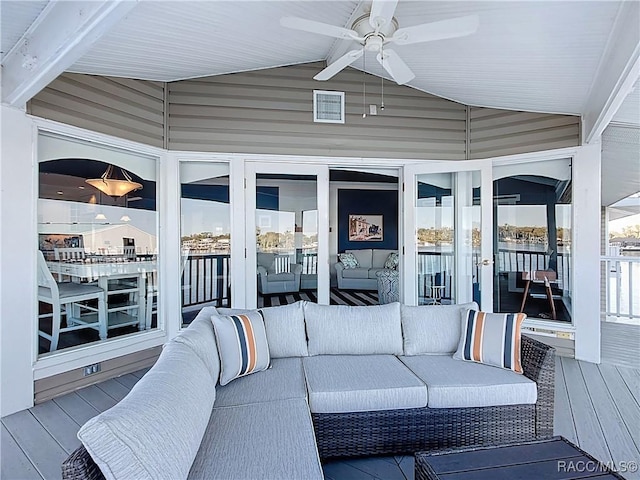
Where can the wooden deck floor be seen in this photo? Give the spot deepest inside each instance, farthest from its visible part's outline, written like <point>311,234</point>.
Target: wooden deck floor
<point>597,407</point>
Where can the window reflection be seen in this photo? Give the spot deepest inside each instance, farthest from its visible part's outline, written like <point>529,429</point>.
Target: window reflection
<point>205,237</point>
<point>94,243</point>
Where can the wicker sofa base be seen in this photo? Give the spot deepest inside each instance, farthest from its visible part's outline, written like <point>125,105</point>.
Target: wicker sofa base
<point>410,430</point>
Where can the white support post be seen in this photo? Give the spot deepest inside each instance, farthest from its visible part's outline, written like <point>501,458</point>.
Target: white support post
<point>238,233</point>
<point>61,34</point>
<point>586,252</point>
<point>18,244</point>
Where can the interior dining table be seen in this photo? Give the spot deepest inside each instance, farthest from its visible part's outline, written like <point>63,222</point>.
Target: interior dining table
<point>116,276</point>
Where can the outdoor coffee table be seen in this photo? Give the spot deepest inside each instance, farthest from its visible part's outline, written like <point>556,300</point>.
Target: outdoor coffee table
<point>554,458</point>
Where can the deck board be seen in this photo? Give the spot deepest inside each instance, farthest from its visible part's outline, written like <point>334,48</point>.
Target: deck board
<point>128,380</point>
<point>588,429</point>
<point>14,463</point>
<point>59,425</point>
<point>76,407</point>
<point>44,453</point>
<point>632,379</point>
<point>625,403</point>
<point>96,398</point>
<point>616,434</point>
<point>563,416</point>
<point>114,389</point>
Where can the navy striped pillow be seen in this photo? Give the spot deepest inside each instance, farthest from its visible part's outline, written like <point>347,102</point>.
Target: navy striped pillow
<point>492,339</point>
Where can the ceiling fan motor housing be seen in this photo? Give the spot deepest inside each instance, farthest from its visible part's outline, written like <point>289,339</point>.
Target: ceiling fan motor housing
<point>373,41</point>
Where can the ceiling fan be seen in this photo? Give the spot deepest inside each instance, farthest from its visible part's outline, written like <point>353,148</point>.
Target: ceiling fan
<point>379,28</point>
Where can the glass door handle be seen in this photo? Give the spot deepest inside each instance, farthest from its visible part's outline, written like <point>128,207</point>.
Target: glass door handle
<point>484,262</point>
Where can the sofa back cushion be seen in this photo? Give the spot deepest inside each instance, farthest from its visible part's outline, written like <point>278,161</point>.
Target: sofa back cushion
<point>432,329</point>
<point>379,256</point>
<point>363,256</point>
<point>267,260</point>
<point>151,433</point>
<point>285,329</point>
<point>200,337</point>
<point>344,330</point>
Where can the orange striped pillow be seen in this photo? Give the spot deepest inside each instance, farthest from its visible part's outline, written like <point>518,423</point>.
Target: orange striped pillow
<point>242,344</point>
<point>491,338</point>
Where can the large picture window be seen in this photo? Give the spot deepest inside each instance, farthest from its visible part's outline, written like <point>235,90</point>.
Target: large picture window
<point>98,243</point>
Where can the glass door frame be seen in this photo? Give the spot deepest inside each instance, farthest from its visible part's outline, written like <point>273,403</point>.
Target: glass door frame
<point>252,169</point>
<point>410,249</point>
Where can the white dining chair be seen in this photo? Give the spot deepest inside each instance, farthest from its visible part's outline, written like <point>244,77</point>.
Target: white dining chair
<point>69,299</point>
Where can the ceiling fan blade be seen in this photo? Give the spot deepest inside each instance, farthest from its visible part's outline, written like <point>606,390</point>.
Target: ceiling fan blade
<point>345,60</point>
<point>318,27</point>
<point>455,27</point>
<point>382,12</point>
<point>396,67</point>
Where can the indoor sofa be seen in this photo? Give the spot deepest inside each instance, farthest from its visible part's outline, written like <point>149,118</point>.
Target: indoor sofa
<point>363,276</point>
<point>342,381</point>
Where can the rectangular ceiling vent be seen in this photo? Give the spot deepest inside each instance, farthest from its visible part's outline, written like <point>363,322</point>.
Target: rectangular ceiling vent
<point>328,107</point>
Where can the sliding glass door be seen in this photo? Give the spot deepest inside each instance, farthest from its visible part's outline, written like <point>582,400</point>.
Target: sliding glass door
<point>448,245</point>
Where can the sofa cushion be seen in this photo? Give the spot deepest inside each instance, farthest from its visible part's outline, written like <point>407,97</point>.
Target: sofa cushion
<point>242,345</point>
<point>491,338</point>
<point>283,380</point>
<point>379,257</point>
<point>286,334</point>
<point>345,330</point>
<point>348,260</point>
<point>455,384</point>
<point>270,440</point>
<point>355,273</point>
<point>361,383</point>
<point>281,277</point>
<point>131,439</point>
<point>363,256</point>
<point>373,272</point>
<point>200,337</point>
<point>432,329</point>
<point>267,260</point>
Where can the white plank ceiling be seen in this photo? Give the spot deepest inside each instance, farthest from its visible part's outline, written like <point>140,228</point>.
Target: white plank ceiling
<point>533,56</point>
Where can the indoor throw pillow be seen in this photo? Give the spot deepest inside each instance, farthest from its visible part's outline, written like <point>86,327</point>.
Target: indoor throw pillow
<point>348,260</point>
<point>392,261</point>
<point>242,344</point>
<point>491,338</point>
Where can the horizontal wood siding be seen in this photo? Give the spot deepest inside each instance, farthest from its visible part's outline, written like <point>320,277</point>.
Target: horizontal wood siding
<point>494,132</point>
<point>56,385</point>
<point>125,108</point>
<point>271,112</point>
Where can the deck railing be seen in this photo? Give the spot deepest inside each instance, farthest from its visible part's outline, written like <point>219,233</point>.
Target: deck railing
<point>206,278</point>
<point>622,298</point>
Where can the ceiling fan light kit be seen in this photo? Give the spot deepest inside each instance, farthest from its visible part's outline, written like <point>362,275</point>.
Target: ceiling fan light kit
<point>376,30</point>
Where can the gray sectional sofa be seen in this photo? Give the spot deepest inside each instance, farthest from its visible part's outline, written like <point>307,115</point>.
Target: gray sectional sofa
<point>343,381</point>
<point>363,277</point>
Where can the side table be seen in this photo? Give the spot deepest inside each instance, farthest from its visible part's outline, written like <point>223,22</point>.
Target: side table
<point>551,459</point>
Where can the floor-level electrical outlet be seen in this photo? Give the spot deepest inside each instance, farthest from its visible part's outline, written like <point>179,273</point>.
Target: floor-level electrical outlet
<point>91,369</point>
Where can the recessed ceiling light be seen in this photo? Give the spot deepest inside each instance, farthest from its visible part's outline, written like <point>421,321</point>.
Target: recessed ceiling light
<point>60,192</point>
<point>81,187</point>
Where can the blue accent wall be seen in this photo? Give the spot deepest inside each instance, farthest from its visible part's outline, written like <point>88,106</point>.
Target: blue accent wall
<point>368,202</point>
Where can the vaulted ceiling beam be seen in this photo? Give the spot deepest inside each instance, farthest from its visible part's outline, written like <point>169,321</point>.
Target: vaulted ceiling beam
<point>618,71</point>
<point>61,34</point>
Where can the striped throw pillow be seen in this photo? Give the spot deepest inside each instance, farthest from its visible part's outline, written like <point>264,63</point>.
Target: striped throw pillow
<point>491,338</point>
<point>242,344</point>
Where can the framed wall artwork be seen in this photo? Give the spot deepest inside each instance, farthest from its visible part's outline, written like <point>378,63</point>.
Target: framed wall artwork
<point>365,228</point>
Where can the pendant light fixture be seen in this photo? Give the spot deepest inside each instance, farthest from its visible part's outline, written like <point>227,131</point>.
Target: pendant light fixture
<point>114,186</point>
